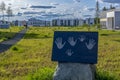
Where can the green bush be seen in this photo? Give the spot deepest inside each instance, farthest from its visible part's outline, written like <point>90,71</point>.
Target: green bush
<point>15,48</point>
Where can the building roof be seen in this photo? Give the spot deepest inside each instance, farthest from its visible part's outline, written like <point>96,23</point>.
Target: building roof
<point>103,14</point>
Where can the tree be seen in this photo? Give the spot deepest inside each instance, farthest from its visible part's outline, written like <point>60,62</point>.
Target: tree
<point>2,8</point>
<point>112,7</point>
<point>104,8</point>
<point>9,12</point>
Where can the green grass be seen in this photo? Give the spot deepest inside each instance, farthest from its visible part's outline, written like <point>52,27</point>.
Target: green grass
<point>103,75</point>
<point>6,34</point>
<point>41,74</point>
<point>30,59</point>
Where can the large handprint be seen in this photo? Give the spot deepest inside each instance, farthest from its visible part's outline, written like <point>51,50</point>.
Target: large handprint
<point>91,44</point>
<point>69,52</point>
<point>59,43</point>
<point>72,41</point>
<point>82,38</point>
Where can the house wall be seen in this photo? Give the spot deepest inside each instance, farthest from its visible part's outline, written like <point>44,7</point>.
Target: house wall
<point>103,19</point>
<point>110,14</point>
<point>37,22</point>
<point>110,23</point>
<point>110,20</point>
<point>58,22</point>
<point>117,20</point>
<point>90,21</point>
<point>67,22</point>
<point>4,26</point>
<point>81,22</point>
<point>103,22</point>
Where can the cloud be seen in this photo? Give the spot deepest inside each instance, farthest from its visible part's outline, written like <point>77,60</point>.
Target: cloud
<point>19,14</point>
<point>55,15</point>
<point>112,1</point>
<point>51,15</point>
<point>26,13</point>
<point>86,9</point>
<point>44,7</point>
<point>52,8</point>
<point>91,9</point>
<point>87,15</point>
<point>33,12</point>
<point>100,1</point>
<point>23,8</point>
<point>56,4</point>
<point>77,0</point>
<point>29,16</point>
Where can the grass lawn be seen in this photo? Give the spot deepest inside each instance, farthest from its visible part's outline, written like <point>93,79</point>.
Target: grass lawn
<point>30,59</point>
<point>6,34</point>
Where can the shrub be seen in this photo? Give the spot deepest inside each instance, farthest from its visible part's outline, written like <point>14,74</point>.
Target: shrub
<point>15,48</point>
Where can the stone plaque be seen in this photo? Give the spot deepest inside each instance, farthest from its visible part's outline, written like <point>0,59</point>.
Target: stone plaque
<point>75,46</point>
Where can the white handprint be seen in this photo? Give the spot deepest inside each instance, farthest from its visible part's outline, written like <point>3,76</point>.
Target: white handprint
<point>82,38</point>
<point>71,41</point>
<point>59,43</point>
<point>69,52</point>
<point>91,44</point>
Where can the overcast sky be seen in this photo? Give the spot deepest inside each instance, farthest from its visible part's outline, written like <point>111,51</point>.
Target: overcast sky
<point>48,9</point>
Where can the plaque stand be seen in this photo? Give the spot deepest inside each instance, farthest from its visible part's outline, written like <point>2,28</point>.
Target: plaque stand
<point>74,71</point>
<point>76,53</point>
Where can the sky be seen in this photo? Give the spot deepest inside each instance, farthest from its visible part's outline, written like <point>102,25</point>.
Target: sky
<point>50,9</point>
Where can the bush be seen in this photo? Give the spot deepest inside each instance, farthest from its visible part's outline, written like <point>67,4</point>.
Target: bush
<point>15,48</point>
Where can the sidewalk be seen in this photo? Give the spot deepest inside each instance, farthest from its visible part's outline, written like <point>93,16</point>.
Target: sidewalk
<point>5,45</point>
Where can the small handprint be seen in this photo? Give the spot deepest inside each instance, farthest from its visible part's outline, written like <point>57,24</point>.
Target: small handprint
<point>71,41</point>
<point>91,44</point>
<point>82,38</point>
<point>59,43</point>
<point>69,52</point>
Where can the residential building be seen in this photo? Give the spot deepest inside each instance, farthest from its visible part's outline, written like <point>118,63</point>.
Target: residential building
<point>110,19</point>
<point>19,23</point>
<point>67,22</point>
<point>37,22</point>
<point>103,19</point>
<point>4,25</point>
<point>90,21</point>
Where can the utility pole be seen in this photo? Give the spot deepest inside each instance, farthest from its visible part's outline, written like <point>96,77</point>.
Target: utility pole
<point>97,14</point>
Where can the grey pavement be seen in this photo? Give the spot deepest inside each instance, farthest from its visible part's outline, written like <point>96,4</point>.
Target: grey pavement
<point>5,45</point>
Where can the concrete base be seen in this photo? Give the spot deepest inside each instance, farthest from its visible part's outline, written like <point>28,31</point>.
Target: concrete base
<point>74,71</point>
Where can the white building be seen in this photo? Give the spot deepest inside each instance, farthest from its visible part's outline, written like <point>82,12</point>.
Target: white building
<point>19,23</point>
<point>4,25</point>
<point>67,22</point>
<point>111,20</point>
<point>37,22</point>
<point>89,21</point>
<point>103,19</point>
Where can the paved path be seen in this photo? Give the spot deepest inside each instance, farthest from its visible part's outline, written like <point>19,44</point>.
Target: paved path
<point>5,45</point>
